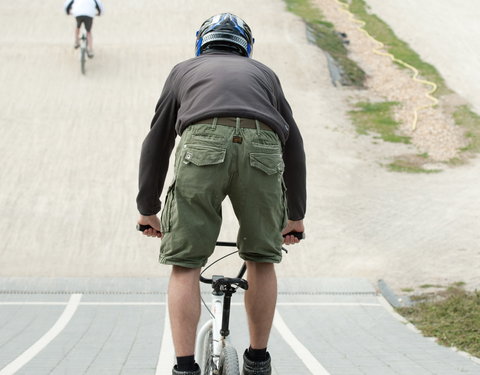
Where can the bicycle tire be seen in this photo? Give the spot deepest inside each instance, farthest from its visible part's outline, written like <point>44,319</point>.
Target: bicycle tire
<point>83,59</point>
<point>229,361</point>
<point>209,365</point>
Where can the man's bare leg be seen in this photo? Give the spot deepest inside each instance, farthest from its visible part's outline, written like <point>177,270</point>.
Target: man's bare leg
<point>184,308</point>
<point>90,40</point>
<point>77,37</point>
<point>260,302</point>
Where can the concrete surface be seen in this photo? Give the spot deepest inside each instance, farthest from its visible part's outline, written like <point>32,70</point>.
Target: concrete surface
<point>322,326</point>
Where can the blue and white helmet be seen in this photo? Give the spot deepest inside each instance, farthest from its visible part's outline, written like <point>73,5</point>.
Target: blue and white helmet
<point>225,29</point>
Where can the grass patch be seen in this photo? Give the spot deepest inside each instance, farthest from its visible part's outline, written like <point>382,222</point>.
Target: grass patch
<point>412,164</point>
<point>427,286</point>
<point>377,118</point>
<point>328,39</point>
<point>469,120</point>
<point>406,166</point>
<point>451,315</point>
<point>379,30</point>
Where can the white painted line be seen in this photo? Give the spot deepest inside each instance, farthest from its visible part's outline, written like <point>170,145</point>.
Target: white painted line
<point>167,352</point>
<point>31,352</point>
<point>340,304</point>
<point>20,303</point>
<point>306,304</point>
<point>123,304</point>
<point>300,350</point>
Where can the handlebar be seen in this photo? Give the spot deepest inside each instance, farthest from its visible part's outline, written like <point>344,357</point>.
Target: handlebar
<point>143,227</point>
<point>219,282</point>
<point>299,235</point>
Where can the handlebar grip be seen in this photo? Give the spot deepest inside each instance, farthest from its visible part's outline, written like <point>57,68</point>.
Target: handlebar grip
<point>143,227</point>
<point>299,235</point>
<point>205,280</point>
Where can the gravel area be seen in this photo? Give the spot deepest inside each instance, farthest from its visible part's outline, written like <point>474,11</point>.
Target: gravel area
<point>433,131</point>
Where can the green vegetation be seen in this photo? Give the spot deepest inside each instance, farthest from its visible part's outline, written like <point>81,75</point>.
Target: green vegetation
<point>469,120</point>
<point>452,315</point>
<point>328,39</point>
<point>400,166</point>
<point>426,286</point>
<point>377,118</point>
<point>411,164</point>
<point>398,48</point>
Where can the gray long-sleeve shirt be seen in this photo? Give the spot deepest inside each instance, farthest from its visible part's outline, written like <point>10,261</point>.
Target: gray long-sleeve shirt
<point>220,84</point>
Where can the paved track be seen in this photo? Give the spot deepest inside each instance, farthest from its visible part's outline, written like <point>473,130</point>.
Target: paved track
<point>117,326</point>
<point>70,143</point>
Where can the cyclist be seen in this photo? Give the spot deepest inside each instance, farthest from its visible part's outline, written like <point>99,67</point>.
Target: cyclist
<point>84,11</point>
<point>238,138</point>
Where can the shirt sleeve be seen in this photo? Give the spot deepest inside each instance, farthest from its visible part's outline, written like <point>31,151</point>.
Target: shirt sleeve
<point>99,7</point>
<point>295,165</point>
<point>156,150</point>
<point>67,6</point>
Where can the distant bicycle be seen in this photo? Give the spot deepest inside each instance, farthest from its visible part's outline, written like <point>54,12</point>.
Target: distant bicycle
<point>83,52</point>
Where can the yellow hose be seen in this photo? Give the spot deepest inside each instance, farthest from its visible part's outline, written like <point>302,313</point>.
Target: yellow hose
<point>344,7</point>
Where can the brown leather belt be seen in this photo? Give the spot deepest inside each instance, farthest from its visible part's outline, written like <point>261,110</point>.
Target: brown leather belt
<point>232,122</point>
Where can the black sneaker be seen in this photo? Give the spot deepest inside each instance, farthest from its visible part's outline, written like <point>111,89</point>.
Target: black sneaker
<point>256,368</point>
<point>195,372</point>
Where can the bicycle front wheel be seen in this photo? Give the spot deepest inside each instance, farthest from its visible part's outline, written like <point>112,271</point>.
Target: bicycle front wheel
<point>83,59</point>
<point>208,365</point>
<point>229,361</point>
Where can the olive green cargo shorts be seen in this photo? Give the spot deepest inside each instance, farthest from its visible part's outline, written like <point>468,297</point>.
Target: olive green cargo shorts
<point>212,162</point>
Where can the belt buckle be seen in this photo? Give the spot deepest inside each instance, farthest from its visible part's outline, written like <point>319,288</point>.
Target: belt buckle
<point>237,139</point>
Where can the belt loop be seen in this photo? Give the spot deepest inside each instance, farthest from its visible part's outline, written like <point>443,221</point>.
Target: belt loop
<point>214,123</point>
<point>257,124</point>
<point>237,125</point>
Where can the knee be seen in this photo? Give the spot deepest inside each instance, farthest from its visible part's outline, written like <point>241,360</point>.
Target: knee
<point>260,267</point>
<point>185,271</point>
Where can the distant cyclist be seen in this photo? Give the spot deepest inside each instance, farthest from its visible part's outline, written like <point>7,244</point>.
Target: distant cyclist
<point>84,11</point>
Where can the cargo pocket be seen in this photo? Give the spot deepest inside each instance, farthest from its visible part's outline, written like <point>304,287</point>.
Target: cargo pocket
<point>202,155</point>
<point>165,219</point>
<point>267,163</point>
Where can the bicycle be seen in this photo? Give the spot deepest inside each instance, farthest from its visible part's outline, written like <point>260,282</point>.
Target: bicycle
<point>83,52</point>
<point>215,354</point>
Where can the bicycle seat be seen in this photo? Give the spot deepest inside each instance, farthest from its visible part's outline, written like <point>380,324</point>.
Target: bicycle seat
<point>223,284</point>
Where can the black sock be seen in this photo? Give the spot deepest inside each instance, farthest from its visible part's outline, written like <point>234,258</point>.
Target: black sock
<point>186,363</point>
<point>257,355</point>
